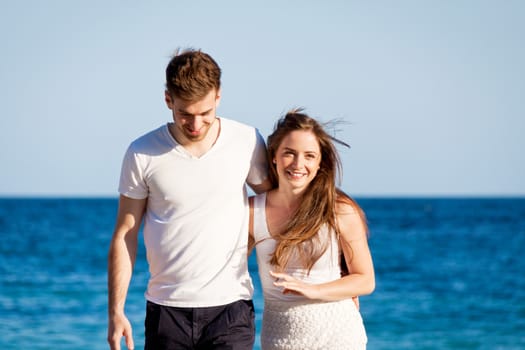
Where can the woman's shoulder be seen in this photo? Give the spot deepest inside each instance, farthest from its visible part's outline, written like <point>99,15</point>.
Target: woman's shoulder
<point>345,205</point>
<point>350,217</point>
<point>257,198</point>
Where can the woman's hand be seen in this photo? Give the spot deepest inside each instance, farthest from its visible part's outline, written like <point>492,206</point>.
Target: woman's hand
<point>292,285</point>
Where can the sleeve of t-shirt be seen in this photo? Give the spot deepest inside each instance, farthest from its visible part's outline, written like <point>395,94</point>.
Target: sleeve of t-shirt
<point>259,164</point>
<point>132,182</point>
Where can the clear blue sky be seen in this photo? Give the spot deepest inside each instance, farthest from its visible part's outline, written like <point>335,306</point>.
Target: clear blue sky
<point>434,91</point>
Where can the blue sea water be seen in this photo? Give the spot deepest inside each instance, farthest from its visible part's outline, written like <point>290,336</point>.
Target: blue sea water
<point>450,274</point>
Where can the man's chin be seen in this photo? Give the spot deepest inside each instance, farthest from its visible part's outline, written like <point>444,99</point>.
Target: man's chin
<point>195,138</point>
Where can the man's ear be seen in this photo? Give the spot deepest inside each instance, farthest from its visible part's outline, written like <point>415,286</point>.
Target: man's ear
<point>218,98</point>
<point>168,99</point>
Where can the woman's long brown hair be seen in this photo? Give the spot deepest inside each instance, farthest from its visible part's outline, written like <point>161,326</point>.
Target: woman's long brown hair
<point>318,205</point>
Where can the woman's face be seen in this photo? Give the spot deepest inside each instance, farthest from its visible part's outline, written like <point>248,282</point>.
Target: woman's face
<point>297,159</point>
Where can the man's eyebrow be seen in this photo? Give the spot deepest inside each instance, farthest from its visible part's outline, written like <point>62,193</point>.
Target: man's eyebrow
<point>183,111</point>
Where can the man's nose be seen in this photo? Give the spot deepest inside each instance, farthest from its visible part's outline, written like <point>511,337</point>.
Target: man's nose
<point>196,122</point>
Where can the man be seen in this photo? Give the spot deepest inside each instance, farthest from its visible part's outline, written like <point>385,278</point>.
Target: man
<point>187,180</point>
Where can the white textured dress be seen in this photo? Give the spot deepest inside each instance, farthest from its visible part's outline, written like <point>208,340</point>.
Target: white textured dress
<point>295,322</point>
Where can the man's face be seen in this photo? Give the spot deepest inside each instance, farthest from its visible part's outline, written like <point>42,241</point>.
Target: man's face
<point>194,119</point>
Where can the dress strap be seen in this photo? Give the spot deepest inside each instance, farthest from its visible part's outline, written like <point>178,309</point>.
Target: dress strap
<point>260,228</point>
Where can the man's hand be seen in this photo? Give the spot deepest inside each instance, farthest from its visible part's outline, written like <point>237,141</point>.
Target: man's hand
<point>119,326</point>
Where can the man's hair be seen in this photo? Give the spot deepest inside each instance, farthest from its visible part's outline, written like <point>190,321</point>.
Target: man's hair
<point>191,74</point>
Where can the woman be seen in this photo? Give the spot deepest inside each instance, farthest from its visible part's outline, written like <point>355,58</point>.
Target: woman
<point>299,230</point>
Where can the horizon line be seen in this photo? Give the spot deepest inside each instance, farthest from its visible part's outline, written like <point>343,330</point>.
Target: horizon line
<point>361,195</point>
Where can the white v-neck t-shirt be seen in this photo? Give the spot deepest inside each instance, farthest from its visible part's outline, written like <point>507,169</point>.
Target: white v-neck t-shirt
<point>196,222</point>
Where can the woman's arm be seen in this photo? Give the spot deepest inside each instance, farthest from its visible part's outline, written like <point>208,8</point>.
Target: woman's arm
<point>354,243</point>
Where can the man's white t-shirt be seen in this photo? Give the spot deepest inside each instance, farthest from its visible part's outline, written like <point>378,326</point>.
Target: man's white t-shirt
<point>196,222</point>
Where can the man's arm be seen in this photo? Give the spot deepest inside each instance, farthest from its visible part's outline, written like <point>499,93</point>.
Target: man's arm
<point>121,259</point>
<point>262,187</point>
<point>259,167</point>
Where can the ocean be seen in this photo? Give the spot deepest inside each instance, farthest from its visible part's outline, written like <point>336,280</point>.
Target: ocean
<point>450,274</point>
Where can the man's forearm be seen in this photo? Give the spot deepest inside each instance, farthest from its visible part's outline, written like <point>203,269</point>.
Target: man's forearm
<point>120,266</point>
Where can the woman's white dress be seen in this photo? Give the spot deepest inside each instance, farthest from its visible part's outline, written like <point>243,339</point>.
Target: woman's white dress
<point>295,322</point>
